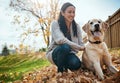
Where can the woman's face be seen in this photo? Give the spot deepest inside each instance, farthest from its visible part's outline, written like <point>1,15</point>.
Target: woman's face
<point>69,14</point>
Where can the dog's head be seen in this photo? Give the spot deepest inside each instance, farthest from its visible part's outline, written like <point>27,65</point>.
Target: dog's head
<point>95,29</point>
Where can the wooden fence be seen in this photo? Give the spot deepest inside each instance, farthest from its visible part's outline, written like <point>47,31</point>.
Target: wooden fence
<point>112,36</point>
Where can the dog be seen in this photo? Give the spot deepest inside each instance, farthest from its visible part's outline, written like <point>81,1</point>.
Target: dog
<point>96,53</point>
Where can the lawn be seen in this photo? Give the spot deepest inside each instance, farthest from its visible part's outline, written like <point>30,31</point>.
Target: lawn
<point>13,67</point>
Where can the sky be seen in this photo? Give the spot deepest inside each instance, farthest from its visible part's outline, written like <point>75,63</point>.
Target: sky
<point>85,10</point>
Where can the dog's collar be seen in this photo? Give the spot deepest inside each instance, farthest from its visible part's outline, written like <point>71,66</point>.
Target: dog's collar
<point>96,42</point>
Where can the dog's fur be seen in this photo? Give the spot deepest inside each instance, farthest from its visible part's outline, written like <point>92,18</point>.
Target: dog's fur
<point>96,52</point>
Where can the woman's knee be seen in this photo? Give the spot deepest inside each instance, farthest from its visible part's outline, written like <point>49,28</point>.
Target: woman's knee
<point>74,63</point>
<point>60,52</point>
<point>65,48</point>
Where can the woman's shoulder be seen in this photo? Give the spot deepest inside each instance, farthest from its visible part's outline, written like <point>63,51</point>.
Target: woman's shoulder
<point>54,22</point>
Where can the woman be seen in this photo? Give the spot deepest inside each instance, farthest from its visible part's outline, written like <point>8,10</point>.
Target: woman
<point>66,40</point>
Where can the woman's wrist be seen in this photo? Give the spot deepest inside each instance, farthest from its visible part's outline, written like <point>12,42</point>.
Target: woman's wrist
<point>82,48</point>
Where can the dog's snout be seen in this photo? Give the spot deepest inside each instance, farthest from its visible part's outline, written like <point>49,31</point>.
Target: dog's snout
<point>97,27</point>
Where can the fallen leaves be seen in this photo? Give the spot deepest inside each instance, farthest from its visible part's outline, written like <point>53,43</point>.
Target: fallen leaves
<point>49,75</point>
<point>113,79</point>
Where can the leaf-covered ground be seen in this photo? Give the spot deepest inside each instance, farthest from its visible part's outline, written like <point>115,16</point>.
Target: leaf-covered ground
<point>49,75</point>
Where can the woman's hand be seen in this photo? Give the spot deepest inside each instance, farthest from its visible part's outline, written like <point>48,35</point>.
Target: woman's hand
<point>82,48</point>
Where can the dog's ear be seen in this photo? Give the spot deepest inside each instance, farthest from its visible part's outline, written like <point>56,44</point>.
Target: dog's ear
<point>85,27</point>
<point>105,26</point>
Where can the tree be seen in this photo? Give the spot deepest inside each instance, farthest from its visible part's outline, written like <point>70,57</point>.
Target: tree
<point>5,51</point>
<point>43,12</point>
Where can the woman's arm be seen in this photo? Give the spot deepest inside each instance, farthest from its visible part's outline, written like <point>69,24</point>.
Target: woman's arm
<point>79,32</point>
<point>59,38</point>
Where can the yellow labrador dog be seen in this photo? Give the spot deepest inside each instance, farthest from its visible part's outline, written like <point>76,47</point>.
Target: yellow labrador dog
<point>96,52</point>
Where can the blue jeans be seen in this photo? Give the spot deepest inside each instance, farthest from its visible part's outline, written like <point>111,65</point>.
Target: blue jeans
<point>64,59</point>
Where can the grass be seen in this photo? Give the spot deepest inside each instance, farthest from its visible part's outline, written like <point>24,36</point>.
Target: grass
<point>12,67</point>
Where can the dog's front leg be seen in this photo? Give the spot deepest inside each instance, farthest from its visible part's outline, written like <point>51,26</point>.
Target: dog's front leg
<point>108,62</point>
<point>98,70</point>
<point>113,69</point>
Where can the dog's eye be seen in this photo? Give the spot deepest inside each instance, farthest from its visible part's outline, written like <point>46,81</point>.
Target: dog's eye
<point>91,22</point>
<point>99,22</point>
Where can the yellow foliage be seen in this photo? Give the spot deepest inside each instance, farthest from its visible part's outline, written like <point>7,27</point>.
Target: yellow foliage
<point>21,46</point>
<point>36,34</point>
<point>47,33</point>
<point>41,20</point>
<point>24,34</point>
<point>49,20</point>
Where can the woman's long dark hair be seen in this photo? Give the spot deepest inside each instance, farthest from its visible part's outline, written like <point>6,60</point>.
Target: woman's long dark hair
<point>62,24</point>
